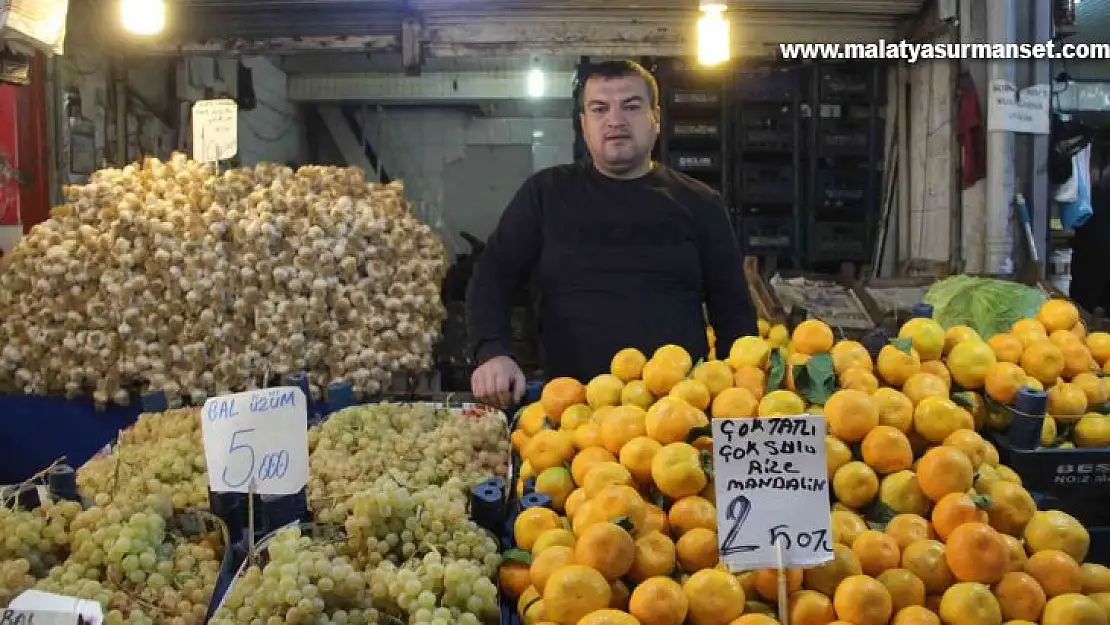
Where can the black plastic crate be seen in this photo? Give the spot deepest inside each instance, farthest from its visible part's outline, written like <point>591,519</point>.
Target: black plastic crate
<point>687,161</point>
<point>767,128</point>
<point>839,241</point>
<point>1060,472</point>
<point>767,234</point>
<point>769,84</point>
<point>767,183</point>
<point>857,82</point>
<point>836,189</point>
<point>696,98</point>
<point>770,210</point>
<point>708,130</point>
<point>839,137</point>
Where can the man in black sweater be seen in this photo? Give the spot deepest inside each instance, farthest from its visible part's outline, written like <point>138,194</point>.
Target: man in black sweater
<point>623,251</point>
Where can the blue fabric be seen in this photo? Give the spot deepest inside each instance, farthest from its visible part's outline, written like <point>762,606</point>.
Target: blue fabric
<point>1075,214</point>
<point>35,431</point>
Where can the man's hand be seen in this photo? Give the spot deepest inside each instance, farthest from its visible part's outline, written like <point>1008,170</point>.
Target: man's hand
<point>498,382</point>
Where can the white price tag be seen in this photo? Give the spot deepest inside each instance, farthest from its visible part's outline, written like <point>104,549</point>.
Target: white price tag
<point>35,607</point>
<point>772,485</point>
<point>215,130</point>
<point>37,617</point>
<point>257,437</point>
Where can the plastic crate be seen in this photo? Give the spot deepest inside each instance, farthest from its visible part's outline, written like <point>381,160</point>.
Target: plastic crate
<point>689,161</point>
<point>767,183</point>
<point>769,85</point>
<point>838,137</point>
<point>695,98</point>
<point>839,241</point>
<point>767,234</point>
<point>767,129</point>
<point>843,186</point>
<point>696,130</point>
<point>1060,472</point>
<point>847,82</point>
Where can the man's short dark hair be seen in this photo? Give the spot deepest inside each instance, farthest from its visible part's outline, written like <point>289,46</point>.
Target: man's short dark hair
<point>617,69</point>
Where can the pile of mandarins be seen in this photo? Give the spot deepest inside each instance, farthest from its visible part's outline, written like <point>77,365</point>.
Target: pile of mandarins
<point>929,526</point>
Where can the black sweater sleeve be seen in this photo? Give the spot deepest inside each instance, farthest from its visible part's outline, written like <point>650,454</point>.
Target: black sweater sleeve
<point>509,257</point>
<point>727,298</point>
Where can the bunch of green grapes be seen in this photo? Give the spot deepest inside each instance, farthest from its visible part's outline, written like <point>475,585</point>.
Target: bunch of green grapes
<point>434,590</point>
<point>39,536</point>
<point>162,454</point>
<point>388,521</point>
<point>303,582</point>
<point>417,445</point>
<point>15,577</point>
<point>123,557</point>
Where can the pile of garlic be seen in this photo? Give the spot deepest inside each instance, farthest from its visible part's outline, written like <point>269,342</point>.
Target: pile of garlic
<point>167,275</point>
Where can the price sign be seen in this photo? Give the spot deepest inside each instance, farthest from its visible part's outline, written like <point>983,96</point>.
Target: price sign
<point>772,486</point>
<point>35,607</point>
<point>215,130</point>
<point>257,440</point>
<point>30,617</point>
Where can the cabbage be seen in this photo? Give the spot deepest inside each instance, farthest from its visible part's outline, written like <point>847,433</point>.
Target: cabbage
<point>987,305</point>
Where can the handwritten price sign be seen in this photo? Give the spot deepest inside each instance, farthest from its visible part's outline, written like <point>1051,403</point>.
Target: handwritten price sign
<point>215,130</point>
<point>257,438</point>
<point>24,617</point>
<point>772,485</point>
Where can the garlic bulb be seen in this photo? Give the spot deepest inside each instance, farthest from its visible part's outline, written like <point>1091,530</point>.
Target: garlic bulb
<point>168,276</point>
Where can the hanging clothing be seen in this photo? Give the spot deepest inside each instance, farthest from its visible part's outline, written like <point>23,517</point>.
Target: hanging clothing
<point>1075,212</point>
<point>1090,282</point>
<point>971,132</point>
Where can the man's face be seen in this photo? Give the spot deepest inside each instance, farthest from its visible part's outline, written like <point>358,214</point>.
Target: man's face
<point>619,124</point>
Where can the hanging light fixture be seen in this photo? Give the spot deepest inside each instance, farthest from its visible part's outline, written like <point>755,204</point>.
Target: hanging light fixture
<point>143,17</point>
<point>714,42</point>
<point>536,83</point>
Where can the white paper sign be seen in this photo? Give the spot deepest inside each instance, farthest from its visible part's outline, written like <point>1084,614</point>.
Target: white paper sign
<point>1013,110</point>
<point>35,607</point>
<point>215,130</point>
<point>257,437</point>
<point>772,483</point>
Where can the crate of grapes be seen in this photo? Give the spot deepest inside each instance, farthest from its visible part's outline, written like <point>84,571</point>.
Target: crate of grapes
<point>405,491</point>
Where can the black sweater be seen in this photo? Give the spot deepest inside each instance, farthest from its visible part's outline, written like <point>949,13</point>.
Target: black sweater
<point>617,263</point>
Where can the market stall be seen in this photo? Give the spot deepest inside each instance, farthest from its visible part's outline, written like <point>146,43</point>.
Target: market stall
<point>964,450</point>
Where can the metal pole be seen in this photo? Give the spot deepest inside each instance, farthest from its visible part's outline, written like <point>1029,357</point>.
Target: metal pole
<point>1000,148</point>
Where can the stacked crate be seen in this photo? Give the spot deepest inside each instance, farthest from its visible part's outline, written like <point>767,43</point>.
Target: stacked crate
<point>693,136</point>
<point>845,160</point>
<point>767,187</point>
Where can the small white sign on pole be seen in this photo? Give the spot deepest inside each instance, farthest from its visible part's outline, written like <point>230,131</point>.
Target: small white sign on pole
<point>1019,110</point>
<point>215,130</point>
<point>772,492</point>
<point>257,441</point>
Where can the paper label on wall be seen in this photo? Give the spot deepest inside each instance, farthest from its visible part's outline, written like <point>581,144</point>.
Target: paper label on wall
<point>257,440</point>
<point>215,130</point>
<point>1019,110</point>
<point>772,484</point>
